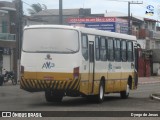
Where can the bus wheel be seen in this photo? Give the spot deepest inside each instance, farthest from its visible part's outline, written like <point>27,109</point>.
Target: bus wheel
<point>100,96</point>
<point>53,97</point>
<point>125,94</point>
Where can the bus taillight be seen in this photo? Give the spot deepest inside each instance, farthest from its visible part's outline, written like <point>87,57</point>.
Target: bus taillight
<point>22,69</point>
<point>76,72</point>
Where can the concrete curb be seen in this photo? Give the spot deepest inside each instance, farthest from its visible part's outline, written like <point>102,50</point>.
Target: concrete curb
<point>155,96</point>
<point>151,82</point>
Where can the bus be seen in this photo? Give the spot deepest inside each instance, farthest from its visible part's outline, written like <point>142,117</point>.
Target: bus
<point>75,61</point>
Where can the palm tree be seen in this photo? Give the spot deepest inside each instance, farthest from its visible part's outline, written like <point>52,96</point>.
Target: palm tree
<point>37,8</point>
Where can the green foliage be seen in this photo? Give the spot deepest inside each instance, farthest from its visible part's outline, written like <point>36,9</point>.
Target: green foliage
<point>37,8</point>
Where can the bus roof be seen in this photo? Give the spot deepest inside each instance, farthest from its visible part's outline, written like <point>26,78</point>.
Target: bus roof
<point>86,30</point>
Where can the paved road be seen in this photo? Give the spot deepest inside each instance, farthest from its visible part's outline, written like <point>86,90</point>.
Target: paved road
<point>14,99</point>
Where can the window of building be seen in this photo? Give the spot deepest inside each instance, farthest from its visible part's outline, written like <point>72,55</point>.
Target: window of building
<point>146,25</point>
<point>117,47</point>
<point>4,27</point>
<point>153,26</point>
<point>110,49</point>
<point>123,50</point>
<point>85,46</point>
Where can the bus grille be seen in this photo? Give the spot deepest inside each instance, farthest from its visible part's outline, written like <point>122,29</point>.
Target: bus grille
<point>42,85</point>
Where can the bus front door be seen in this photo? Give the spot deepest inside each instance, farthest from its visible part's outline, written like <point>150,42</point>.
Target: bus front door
<point>91,67</point>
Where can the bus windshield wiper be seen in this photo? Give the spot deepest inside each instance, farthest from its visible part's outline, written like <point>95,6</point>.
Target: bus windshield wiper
<point>71,50</point>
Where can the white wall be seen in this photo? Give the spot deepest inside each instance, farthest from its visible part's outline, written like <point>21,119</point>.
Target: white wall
<point>142,43</point>
<point>156,68</point>
<point>6,63</point>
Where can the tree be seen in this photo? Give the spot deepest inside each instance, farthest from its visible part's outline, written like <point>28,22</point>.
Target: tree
<point>37,8</point>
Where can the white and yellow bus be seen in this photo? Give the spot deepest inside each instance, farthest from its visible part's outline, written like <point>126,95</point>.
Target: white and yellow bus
<point>75,61</point>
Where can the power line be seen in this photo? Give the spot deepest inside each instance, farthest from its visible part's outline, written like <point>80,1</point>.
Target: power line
<point>129,17</point>
<point>26,3</point>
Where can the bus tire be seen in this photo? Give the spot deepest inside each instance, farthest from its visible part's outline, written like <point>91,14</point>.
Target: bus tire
<point>100,96</point>
<point>53,97</point>
<point>125,94</point>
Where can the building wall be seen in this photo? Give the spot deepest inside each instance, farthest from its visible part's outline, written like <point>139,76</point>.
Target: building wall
<point>31,22</point>
<point>157,44</point>
<point>144,63</point>
<point>7,25</point>
<point>142,43</point>
<point>7,4</point>
<point>12,22</point>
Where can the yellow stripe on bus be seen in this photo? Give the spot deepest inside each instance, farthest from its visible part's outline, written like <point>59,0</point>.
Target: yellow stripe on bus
<point>113,81</point>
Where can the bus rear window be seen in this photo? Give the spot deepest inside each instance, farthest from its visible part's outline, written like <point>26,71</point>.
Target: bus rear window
<point>50,40</point>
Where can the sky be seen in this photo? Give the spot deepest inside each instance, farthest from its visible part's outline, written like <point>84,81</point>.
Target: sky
<point>102,6</point>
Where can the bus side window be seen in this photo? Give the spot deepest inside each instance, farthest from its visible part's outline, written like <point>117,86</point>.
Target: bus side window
<point>123,50</point>
<point>97,48</point>
<point>85,47</point>
<point>110,49</point>
<point>130,51</point>
<point>103,49</point>
<point>117,48</point>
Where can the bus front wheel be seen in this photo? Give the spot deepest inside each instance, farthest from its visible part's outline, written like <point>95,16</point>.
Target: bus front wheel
<point>53,96</point>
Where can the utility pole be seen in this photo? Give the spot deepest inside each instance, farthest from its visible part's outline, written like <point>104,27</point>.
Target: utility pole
<point>129,17</point>
<point>19,27</point>
<point>60,13</point>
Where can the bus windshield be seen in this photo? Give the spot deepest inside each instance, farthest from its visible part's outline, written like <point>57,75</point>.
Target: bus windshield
<point>50,40</point>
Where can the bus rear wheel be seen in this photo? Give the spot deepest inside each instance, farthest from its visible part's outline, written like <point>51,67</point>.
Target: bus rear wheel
<point>100,96</point>
<point>53,96</point>
<point>125,94</point>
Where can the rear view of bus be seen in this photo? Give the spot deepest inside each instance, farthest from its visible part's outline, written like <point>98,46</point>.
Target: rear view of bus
<point>73,61</point>
<point>50,62</point>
